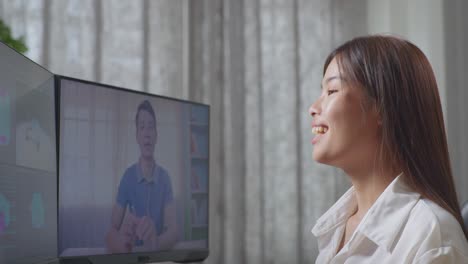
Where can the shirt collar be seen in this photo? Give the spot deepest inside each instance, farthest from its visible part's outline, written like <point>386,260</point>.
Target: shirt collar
<point>382,222</point>
<point>337,214</point>
<point>154,176</point>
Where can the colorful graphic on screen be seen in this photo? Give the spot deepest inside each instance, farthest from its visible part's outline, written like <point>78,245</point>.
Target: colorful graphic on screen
<point>4,213</point>
<point>2,223</point>
<point>37,211</point>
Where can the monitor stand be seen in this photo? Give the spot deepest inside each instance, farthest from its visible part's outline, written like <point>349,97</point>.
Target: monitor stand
<point>75,261</point>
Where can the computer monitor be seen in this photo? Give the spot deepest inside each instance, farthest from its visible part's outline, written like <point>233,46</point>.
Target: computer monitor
<point>28,175</point>
<point>133,175</point>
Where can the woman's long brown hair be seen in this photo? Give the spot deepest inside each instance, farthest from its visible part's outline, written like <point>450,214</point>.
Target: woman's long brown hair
<point>398,78</point>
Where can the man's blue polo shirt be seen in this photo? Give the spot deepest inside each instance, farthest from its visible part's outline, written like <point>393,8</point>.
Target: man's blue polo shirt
<point>145,197</point>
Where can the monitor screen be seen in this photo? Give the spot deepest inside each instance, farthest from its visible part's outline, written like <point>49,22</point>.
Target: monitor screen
<point>28,175</point>
<point>133,175</point>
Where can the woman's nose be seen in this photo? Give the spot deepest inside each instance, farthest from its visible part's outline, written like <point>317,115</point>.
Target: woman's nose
<point>314,109</point>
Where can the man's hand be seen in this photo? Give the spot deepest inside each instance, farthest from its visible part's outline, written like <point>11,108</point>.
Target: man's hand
<point>127,234</point>
<point>146,231</point>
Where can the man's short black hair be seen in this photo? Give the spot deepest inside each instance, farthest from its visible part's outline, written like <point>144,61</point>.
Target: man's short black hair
<point>146,106</point>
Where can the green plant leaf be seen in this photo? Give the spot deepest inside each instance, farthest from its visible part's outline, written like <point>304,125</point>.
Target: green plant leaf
<point>6,37</point>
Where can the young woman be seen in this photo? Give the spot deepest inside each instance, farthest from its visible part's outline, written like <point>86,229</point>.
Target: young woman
<point>379,119</point>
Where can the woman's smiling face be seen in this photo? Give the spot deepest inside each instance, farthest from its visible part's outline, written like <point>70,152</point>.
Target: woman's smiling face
<point>345,123</point>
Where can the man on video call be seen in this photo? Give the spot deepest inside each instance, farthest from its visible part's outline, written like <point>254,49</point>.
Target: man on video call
<point>143,218</point>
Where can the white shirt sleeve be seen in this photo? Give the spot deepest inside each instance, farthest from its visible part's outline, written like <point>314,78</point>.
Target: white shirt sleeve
<point>442,255</point>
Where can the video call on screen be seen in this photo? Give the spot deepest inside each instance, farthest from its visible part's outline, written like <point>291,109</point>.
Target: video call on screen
<point>100,146</point>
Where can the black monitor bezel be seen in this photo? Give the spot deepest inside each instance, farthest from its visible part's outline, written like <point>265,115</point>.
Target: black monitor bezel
<point>174,255</point>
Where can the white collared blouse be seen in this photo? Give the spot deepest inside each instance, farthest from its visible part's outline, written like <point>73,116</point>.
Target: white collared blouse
<point>400,227</point>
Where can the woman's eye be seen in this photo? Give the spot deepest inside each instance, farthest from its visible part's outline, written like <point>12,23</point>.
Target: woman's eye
<point>331,91</point>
